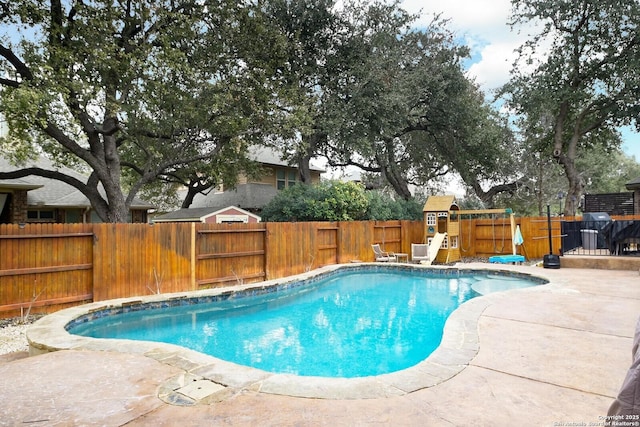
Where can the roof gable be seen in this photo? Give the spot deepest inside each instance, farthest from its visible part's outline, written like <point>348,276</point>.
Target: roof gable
<point>439,203</point>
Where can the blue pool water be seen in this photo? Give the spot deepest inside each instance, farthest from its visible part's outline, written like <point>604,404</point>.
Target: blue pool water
<point>350,324</point>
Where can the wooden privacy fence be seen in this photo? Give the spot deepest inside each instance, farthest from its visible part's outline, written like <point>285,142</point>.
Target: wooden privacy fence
<point>46,267</point>
<point>487,237</point>
<point>483,237</point>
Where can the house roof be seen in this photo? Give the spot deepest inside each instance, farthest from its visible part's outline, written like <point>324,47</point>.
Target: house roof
<point>197,214</point>
<point>189,214</point>
<point>269,156</point>
<point>50,192</point>
<point>634,184</point>
<point>18,183</point>
<point>245,196</point>
<point>439,203</point>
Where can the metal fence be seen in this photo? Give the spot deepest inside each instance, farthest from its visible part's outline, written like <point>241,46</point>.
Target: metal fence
<point>609,237</point>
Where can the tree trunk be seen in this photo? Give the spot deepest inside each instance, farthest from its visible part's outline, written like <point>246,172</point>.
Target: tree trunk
<point>539,193</point>
<point>195,186</point>
<point>487,196</point>
<point>310,144</point>
<point>106,165</point>
<point>117,208</point>
<point>392,173</point>
<point>566,155</point>
<point>304,169</point>
<point>188,199</point>
<point>576,186</point>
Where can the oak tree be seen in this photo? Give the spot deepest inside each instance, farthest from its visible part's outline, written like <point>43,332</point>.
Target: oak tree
<point>577,77</point>
<point>130,91</point>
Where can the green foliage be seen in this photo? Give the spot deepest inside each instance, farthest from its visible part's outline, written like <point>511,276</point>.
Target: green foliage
<point>401,104</point>
<point>338,201</point>
<point>607,171</point>
<point>384,207</point>
<point>326,201</point>
<point>150,96</point>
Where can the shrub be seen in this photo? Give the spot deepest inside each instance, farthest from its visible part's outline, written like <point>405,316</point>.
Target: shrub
<point>326,201</point>
<point>337,201</point>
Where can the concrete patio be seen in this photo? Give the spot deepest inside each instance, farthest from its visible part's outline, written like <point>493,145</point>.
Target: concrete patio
<point>551,355</point>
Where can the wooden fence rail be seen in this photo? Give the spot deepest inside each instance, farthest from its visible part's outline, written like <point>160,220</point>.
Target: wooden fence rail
<point>46,267</point>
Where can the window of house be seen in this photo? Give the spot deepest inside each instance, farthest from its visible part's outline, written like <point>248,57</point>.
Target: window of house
<point>40,215</point>
<point>431,219</point>
<point>285,178</point>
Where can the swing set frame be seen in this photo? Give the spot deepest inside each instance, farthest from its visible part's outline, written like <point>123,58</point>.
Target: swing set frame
<point>473,212</point>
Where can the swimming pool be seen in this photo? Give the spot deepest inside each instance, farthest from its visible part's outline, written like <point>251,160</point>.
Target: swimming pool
<point>459,343</point>
<point>354,323</point>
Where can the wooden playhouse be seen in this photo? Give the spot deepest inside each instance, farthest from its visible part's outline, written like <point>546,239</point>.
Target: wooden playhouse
<point>442,229</point>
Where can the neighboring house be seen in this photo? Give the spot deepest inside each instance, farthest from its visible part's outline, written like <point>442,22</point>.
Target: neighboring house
<point>248,196</point>
<point>251,197</point>
<point>634,185</point>
<point>38,199</point>
<point>229,214</point>
<point>276,172</point>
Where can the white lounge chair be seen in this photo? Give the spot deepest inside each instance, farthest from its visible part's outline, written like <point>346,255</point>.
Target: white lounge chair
<point>382,256</point>
<point>420,253</point>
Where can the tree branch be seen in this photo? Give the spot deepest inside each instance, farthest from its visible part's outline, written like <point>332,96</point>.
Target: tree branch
<point>20,67</point>
<point>56,175</point>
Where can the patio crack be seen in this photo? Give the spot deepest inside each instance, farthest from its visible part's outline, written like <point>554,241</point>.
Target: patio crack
<point>550,325</point>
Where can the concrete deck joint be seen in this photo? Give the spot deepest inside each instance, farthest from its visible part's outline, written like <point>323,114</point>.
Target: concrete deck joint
<point>541,381</point>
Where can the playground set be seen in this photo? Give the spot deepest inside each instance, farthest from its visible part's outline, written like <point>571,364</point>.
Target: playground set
<point>442,230</point>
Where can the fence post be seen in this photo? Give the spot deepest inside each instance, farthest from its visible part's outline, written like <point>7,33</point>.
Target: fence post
<point>193,257</point>
<point>339,247</point>
<point>267,251</point>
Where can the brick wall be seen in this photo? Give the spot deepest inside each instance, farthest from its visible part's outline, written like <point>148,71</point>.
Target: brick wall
<point>19,207</point>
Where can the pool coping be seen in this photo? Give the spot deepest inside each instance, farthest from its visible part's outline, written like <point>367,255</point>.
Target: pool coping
<point>205,379</point>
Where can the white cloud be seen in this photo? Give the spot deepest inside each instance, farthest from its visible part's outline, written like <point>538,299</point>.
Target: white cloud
<point>476,16</point>
<point>483,26</point>
<point>492,70</point>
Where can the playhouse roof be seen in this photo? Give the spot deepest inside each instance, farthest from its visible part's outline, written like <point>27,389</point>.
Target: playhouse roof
<point>439,203</point>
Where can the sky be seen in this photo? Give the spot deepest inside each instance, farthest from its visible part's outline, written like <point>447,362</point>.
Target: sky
<point>483,26</point>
